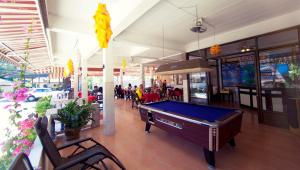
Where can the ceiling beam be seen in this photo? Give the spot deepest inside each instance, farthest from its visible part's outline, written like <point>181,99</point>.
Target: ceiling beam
<point>21,5</point>
<point>19,25</point>
<point>14,54</point>
<point>170,47</point>
<point>19,11</point>
<point>134,15</point>
<point>7,17</point>
<point>70,26</point>
<point>30,20</point>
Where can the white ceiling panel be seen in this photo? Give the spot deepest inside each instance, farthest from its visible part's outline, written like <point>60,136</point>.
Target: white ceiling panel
<point>225,15</point>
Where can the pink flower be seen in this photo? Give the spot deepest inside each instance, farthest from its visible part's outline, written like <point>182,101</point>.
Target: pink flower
<point>27,151</point>
<point>26,124</point>
<point>21,95</point>
<point>7,106</point>
<point>18,150</point>
<point>8,96</point>
<point>26,142</point>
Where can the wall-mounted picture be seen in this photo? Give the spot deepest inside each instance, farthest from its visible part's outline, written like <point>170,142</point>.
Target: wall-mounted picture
<point>179,79</point>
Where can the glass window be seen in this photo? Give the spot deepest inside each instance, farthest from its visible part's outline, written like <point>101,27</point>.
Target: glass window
<point>276,39</point>
<point>238,71</point>
<point>237,47</point>
<point>280,68</point>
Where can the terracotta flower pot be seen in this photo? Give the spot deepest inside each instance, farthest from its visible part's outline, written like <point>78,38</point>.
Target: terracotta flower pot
<point>72,134</point>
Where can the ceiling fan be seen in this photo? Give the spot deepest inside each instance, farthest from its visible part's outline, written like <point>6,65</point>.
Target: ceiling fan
<point>199,27</point>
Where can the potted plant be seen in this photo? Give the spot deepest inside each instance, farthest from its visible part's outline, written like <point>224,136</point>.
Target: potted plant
<point>74,117</point>
<point>42,105</point>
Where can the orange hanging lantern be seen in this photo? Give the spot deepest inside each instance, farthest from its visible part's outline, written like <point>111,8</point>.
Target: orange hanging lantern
<point>215,50</point>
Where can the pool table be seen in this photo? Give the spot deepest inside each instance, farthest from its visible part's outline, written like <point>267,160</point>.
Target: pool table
<point>210,127</point>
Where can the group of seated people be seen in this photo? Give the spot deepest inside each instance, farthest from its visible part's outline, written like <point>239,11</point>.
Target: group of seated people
<point>140,94</point>
<point>151,94</point>
<point>92,95</point>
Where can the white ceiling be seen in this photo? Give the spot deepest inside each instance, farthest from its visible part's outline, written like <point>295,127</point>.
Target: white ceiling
<point>141,24</point>
<point>224,15</point>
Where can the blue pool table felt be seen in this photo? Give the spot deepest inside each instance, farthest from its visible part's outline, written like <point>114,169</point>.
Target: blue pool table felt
<point>202,112</point>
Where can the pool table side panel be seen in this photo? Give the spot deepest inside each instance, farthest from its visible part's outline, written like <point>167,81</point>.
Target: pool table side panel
<point>228,130</point>
<point>143,113</point>
<point>196,133</point>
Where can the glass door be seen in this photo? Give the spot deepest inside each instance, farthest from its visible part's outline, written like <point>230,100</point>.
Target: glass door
<point>198,87</point>
<point>280,84</point>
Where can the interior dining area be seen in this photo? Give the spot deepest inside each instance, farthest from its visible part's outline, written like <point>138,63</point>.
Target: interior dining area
<point>160,84</point>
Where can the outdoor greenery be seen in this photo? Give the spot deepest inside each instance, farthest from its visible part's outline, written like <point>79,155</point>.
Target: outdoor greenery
<point>294,72</point>
<point>42,105</point>
<point>74,115</point>
<point>20,135</point>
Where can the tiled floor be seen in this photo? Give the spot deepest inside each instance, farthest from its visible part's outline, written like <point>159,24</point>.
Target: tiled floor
<point>259,147</point>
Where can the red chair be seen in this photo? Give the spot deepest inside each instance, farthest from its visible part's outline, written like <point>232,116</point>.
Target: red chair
<point>156,97</point>
<point>90,97</point>
<point>147,98</point>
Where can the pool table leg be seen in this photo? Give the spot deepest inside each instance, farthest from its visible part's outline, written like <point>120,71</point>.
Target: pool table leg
<point>209,157</point>
<point>232,142</point>
<point>147,128</point>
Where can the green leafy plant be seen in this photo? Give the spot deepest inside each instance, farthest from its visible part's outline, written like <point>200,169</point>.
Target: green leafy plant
<point>74,115</point>
<point>294,72</point>
<point>43,105</point>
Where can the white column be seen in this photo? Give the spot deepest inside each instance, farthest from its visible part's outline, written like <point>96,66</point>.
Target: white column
<point>84,86</point>
<point>108,92</point>
<point>151,77</point>
<point>76,67</point>
<point>142,75</point>
<point>121,77</point>
<point>185,88</point>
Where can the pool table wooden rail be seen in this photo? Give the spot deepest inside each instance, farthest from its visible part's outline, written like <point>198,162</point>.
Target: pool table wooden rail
<point>210,135</point>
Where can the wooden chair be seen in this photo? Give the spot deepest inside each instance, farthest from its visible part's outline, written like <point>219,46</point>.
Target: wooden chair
<point>21,162</point>
<point>81,158</point>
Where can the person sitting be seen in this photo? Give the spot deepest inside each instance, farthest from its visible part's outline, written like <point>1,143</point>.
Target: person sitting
<point>164,88</point>
<point>100,90</point>
<point>134,88</point>
<point>116,90</point>
<point>139,93</point>
<point>95,91</point>
<point>128,92</point>
<point>129,86</point>
<point>155,93</point>
<point>120,92</point>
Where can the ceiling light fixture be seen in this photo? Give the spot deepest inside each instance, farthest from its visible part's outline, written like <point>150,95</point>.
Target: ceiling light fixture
<point>245,49</point>
<point>198,28</point>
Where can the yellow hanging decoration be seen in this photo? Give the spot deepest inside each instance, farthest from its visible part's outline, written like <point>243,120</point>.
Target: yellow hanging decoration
<point>102,25</point>
<point>215,50</point>
<point>123,64</point>
<point>69,69</point>
<point>66,72</point>
<point>70,66</point>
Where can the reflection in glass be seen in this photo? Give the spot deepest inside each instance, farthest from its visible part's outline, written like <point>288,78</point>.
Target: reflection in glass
<point>198,85</point>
